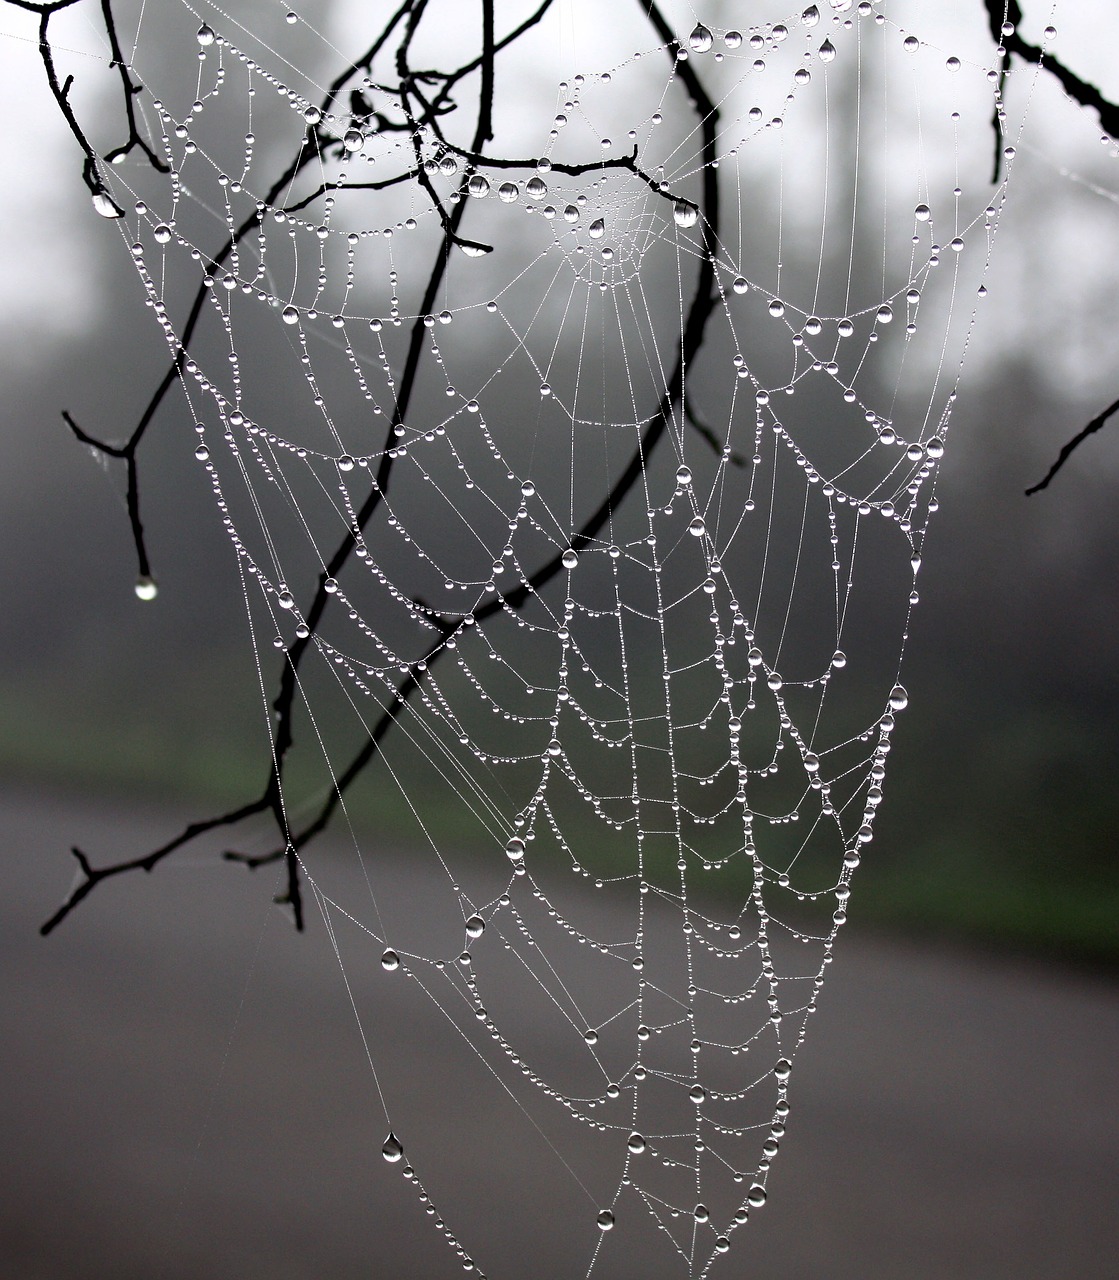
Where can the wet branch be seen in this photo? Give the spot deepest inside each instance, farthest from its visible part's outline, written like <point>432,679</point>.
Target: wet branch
<point>1073,444</point>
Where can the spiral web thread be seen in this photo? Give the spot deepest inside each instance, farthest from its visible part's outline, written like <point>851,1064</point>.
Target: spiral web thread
<point>691,709</point>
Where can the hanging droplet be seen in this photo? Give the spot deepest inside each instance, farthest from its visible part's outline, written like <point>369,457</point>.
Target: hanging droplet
<point>206,34</point>
<point>636,1143</point>
<point>899,699</point>
<point>812,326</point>
<point>508,191</point>
<point>683,475</point>
<point>685,214</point>
<point>448,165</point>
<point>811,16</point>
<point>776,308</point>
<point>698,1094</point>
<point>733,39</point>
<point>536,187</point>
<point>146,588</point>
<point>290,315</point>
<point>554,748</point>
<point>722,1244</point>
<point>570,558</point>
<point>478,186</point>
<point>911,44</point>
<point>571,214</point>
<point>953,64</point>
<point>839,659</point>
<point>597,229</point>
<point>756,1198</point>
<point>782,1069</point>
<point>473,250</point>
<point>353,140</point>
<point>106,206</point>
<point>922,213</point>
<point>605,1220</point>
<point>702,1213</point>
<point>162,233</point>
<point>389,960</point>
<point>740,286</point>
<point>812,762</point>
<point>392,1149</point>
<point>345,463</point>
<point>827,51</point>
<point>697,528</point>
<point>885,313</point>
<point>701,38</point>
<point>935,447</point>
<point>515,849</point>
<point>590,1036</point>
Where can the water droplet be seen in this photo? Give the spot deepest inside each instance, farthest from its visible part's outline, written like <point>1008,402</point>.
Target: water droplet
<point>106,206</point>
<point>206,34</point>
<point>953,64</point>
<point>811,16</point>
<point>448,165</point>
<point>701,38</point>
<point>827,51</point>
<point>597,229</point>
<point>473,250</point>
<point>685,214</point>
<point>146,588</point>
<point>515,849</point>
<point>345,463</point>
<point>698,1094</point>
<point>885,314</point>
<point>290,315</point>
<point>636,1143</point>
<point>911,44</point>
<point>392,1149</point>
<point>756,1198</point>
<point>697,528</point>
<point>722,1244</point>
<point>899,699</point>
<point>312,115</point>
<point>839,659</point>
<point>935,447</point>
<point>1050,33</point>
<point>702,1213</point>
<point>536,187</point>
<point>733,39</point>
<point>922,213</point>
<point>782,1068</point>
<point>571,214</point>
<point>605,1220</point>
<point>683,475</point>
<point>740,285</point>
<point>202,453</point>
<point>812,326</point>
<point>570,558</point>
<point>554,748</point>
<point>776,308</point>
<point>812,762</point>
<point>475,927</point>
<point>590,1036</point>
<point>162,233</point>
<point>508,191</point>
<point>802,76</point>
<point>845,328</point>
<point>956,244</point>
<point>478,186</point>
<point>389,960</point>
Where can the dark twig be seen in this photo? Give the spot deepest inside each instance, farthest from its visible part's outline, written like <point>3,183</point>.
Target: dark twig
<point>1073,444</point>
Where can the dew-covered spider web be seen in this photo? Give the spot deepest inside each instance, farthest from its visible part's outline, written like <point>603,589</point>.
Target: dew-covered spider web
<point>571,387</point>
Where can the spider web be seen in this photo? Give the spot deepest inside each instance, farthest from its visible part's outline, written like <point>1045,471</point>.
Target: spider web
<point>581,478</point>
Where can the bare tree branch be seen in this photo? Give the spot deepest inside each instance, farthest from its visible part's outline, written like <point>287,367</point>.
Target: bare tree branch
<point>1072,445</point>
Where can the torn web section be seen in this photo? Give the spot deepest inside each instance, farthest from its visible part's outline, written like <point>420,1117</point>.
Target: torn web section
<point>608,617</point>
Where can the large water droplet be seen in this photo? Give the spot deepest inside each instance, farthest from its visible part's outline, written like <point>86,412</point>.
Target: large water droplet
<point>162,233</point>
<point>473,250</point>
<point>899,699</point>
<point>911,44</point>
<point>146,588</point>
<point>478,186</point>
<point>636,1143</point>
<point>515,849</point>
<point>701,38</point>
<point>756,1198</point>
<point>389,960</point>
<point>702,1213</point>
<point>782,1068</point>
<point>827,51</point>
<point>106,206</point>
<point>698,1094</point>
<point>475,927</point>
<point>536,187</point>
<point>685,214</point>
<point>605,1220</point>
<point>508,191</point>
<point>571,213</point>
<point>597,229</point>
<point>353,140</point>
<point>811,16</point>
<point>206,34</point>
<point>392,1149</point>
<point>570,558</point>
<point>290,315</point>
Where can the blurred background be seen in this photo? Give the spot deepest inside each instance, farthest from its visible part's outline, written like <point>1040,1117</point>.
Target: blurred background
<point>997,838</point>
